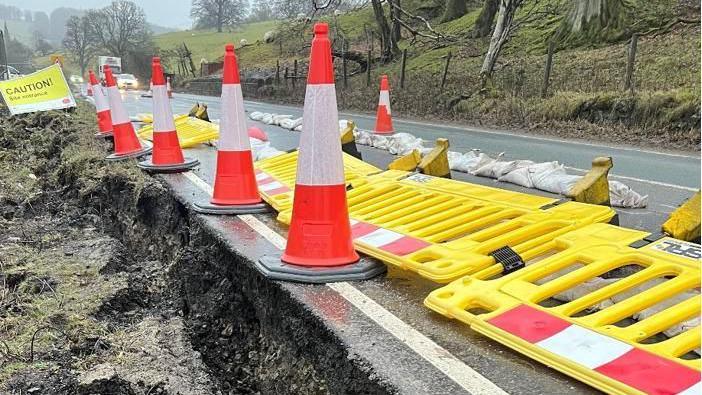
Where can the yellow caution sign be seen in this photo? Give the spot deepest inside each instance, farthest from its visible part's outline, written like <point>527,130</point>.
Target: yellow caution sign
<point>607,307</point>
<point>444,229</point>
<point>276,178</point>
<point>191,131</point>
<point>43,90</point>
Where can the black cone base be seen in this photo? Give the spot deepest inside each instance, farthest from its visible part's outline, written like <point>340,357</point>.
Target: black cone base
<point>219,209</point>
<point>188,163</point>
<point>272,267</point>
<point>135,154</point>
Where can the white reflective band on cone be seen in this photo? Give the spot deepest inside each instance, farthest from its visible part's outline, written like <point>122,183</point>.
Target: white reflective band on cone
<point>101,102</point>
<point>163,116</point>
<point>319,160</point>
<point>119,114</point>
<point>233,135</point>
<point>385,100</point>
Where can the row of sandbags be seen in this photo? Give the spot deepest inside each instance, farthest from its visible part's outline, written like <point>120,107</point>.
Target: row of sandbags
<point>547,176</point>
<point>284,121</point>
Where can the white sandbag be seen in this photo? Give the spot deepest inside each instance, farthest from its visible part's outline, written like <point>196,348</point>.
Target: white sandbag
<point>287,124</point>
<point>499,168</point>
<point>621,195</point>
<point>555,180</point>
<point>277,119</point>
<point>403,143</point>
<point>298,128</point>
<point>453,158</point>
<point>343,123</point>
<point>296,122</point>
<point>523,175</point>
<point>363,137</point>
<point>267,118</point>
<point>471,160</point>
<point>256,115</point>
<point>380,142</point>
<point>263,149</point>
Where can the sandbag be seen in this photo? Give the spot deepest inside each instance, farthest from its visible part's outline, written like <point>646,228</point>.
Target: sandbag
<point>621,195</point>
<point>256,115</point>
<point>403,143</point>
<point>524,175</point>
<point>498,169</point>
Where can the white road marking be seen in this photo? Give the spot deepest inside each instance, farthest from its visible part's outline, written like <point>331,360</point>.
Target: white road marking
<point>658,183</point>
<point>487,131</point>
<point>439,357</point>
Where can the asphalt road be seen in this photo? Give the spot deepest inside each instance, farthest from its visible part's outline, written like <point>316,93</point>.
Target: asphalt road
<point>668,178</point>
<point>370,307</point>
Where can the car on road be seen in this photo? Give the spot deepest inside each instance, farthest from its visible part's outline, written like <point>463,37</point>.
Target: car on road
<point>76,79</point>
<point>127,81</point>
<point>14,73</point>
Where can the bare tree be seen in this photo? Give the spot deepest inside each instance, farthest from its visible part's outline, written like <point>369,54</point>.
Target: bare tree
<point>218,13</point>
<point>483,25</point>
<point>395,33</point>
<point>454,9</point>
<point>119,28</point>
<point>77,41</point>
<point>389,47</point>
<point>503,29</point>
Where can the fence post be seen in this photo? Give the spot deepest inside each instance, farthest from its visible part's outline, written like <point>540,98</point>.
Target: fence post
<point>294,73</point>
<point>344,64</point>
<point>547,69</point>
<point>277,72</point>
<point>446,66</point>
<point>402,68</point>
<point>368,69</point>
<point>631,61</point>
<point>286,76</point>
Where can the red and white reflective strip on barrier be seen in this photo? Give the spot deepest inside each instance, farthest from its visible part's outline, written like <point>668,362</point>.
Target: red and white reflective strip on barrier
<point>119,113</point>
<point>384,100</point>
<point>233,135</point>
<point>605,355</point>
<point>384,239</point>
<point>319,160</point>
<point>269,185</point>
<point>163,115</point>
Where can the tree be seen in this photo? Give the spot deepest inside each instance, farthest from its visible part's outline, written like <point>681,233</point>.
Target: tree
<point>589,21</point>
<point>454,10</point>
<point>395,33</point>
<point>77,41</point>
<point>41,22</point>
<point>7,31</point>
<point>119,28</point>
<point>389,48</point>
<point>218,13</point>
<point>500,35</point>
<point>59,17</point>
<point>483,25</point>
<point>41,45</point>
<point>260,11</point>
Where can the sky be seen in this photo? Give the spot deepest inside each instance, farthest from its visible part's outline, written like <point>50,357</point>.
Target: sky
<point>167,13</point>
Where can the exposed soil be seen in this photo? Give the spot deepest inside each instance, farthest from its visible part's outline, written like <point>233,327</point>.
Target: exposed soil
<point>109,286</point>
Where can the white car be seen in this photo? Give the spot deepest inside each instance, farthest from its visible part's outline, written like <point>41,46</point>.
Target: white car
<point>76,79</point>
<point>14,73</point>
<point>127,81</point>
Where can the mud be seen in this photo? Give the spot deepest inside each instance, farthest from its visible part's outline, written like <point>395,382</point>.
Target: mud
<point>136,295</point>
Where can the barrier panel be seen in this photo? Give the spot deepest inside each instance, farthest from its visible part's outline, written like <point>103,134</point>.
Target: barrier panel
<point>444,229</point>
<point>276,178</point>
<point>609,308</point>
<point>191,131</point>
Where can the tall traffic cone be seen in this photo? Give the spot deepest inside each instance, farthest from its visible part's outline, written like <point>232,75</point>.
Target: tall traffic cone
<point>167,157</point>
<point>319,247</point>
<point>235,188</point>
<point>383,119</point>
<point>102,106</point>
<point>127,144</point>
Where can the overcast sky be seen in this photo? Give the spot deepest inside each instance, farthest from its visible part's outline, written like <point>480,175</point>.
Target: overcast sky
<point>168,13</point>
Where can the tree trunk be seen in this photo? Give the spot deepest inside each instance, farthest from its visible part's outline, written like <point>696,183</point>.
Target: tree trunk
<point>483,25</point>
<point>389,47</point>
<point>500,35</point>
<point>395,15</point>
<point>454,10</point>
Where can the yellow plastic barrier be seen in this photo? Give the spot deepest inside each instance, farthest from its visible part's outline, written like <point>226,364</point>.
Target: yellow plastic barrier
<point>609,308</point>
<point>191,131</point>
<point>443,229</point>
<point>276,177</point>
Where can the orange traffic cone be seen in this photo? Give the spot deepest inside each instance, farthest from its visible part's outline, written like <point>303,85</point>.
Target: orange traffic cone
<point>319,247</point>
<point>235,188</point>
<point>127,144</point>
<point>102,106</point>
<point>167,157</point>
<point>383,119</point>
<point>168,87</point>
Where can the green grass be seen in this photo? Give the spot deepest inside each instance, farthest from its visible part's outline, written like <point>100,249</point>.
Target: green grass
<point>208,44</point>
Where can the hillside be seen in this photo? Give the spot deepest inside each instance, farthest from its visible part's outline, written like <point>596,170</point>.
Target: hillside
<point>586,98</point>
